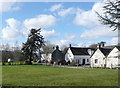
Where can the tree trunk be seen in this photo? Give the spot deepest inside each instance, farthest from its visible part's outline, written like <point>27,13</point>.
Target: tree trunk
<point>118,35</point>
<point>30,59</point>
<point>39,55</point>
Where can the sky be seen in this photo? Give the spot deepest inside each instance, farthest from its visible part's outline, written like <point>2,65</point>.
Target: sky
<point>61,23</point>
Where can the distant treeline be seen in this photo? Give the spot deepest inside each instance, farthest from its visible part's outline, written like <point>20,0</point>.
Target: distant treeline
<point>14,55</point>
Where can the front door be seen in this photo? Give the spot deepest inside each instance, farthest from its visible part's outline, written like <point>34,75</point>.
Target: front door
<point>83,62</point>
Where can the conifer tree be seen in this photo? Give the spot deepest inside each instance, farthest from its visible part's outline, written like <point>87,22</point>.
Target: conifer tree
<point>33,44</point>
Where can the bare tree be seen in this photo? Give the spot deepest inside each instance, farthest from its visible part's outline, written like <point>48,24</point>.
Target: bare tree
<point>93,46</point>
<point>48,47</point>
<point>111,14</point>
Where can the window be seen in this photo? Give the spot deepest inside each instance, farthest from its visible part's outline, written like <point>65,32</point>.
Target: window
<point>87,60</point>
<point>96,60</point>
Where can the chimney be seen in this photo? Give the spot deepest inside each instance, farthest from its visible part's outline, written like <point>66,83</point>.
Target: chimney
<point>98,45</point>
<point>57,47</point>
<point>101,45</point>
<point>69,45</point>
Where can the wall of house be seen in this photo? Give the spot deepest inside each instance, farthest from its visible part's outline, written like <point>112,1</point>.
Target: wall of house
<point>69,56</point>
<point>76,58</point>
<point>112,58</point>
<point>99,56</point>
<point>57,56</point>
<point>79,59</point>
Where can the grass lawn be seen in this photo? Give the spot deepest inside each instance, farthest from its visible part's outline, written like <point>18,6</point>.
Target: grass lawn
<point>39,75</point>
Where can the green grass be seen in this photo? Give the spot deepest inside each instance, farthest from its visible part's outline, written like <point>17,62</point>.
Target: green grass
<point>38,75</point>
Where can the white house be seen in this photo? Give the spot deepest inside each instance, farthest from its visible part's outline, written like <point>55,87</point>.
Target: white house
<point>113,58</point>
<point>46,57</point>
<point>98,59</point>
<point>78,55</point>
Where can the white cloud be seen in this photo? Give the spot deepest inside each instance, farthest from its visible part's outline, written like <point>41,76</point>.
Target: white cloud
<point>98,32</point>
<point>82,44</point>
<point>56,7</point>
<point>49,34</point>
<point>66,41</point>
<point>8,6</point>
<point>67,11</point>
<point>70,36</point>
<point>10,32</point>
<point>41,21</point>
<point>62,43</point>
<point>113,41</point>
<point>16,29</point>
<point>89,18</point>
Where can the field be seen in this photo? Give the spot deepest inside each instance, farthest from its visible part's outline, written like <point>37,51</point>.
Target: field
<point>39,75</point>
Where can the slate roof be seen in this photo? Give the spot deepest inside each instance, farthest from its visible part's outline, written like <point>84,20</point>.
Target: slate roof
<point>65,50</point>
<point>118,47</point>
<point>105,51</point>
<point>80,51</point>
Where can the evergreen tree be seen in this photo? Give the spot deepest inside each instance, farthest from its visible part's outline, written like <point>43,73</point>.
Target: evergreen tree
<point>32,46</point>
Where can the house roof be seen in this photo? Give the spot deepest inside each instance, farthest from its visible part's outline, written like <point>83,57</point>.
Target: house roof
<point>118,47</point>
<point>105,51</point>
<point>80,51</point>
<point>65,50</point>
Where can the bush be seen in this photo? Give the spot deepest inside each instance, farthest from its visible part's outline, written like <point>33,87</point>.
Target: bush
<point>3,63</point>
<point>73,64</point>
<point>27,62</point>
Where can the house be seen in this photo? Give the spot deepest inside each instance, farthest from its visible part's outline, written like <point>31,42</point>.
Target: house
<point>47,56</point>
<point>98,58</point>
<point>78,55</point>
<point>57,55</point>
<point>113,58</point>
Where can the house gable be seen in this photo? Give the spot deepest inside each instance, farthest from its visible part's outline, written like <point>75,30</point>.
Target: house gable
<point>97,59</point>
<point>112,58</point>
<point>97,53</point>
<point>69,55</point>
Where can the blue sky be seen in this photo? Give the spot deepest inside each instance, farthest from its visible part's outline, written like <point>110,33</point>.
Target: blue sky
<point>62,23</point>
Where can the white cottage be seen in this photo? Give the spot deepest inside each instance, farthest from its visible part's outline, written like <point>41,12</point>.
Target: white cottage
<point>78,55</point>
<point>98,59</point>
<point>113,58</point>
<point>46,57</point>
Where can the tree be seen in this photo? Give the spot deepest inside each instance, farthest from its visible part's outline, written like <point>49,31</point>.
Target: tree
<point>5,47</point>
<point>93,46</point>
<point>48,48</point>
<point>111,15</point>
<point>32,46</point>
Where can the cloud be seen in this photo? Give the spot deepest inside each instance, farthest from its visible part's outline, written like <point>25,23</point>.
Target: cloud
<point>62,43</point>
<point>66,41</point>
<point>49,34</point>
<point>8,6</point>
<point>113,41</point>
<point>16,29</point>
<point>41,21</point>
<point>67,11</point>
<point>89,18</point>
<point>56,7</point>
<point>98,32</point>
<point>11,31</point>
<point>70,36</point>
